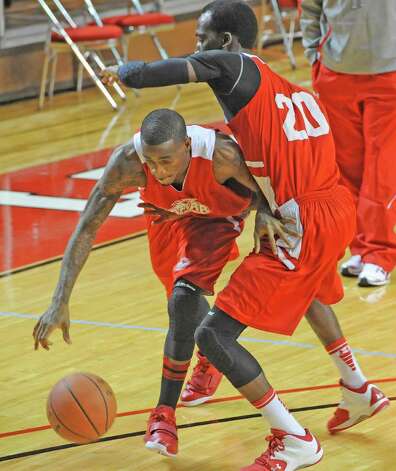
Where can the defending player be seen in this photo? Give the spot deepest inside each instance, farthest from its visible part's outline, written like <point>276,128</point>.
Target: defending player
<point>287,144</point>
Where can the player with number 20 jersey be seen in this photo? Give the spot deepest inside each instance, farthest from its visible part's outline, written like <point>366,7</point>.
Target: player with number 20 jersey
<point>289,149</point>
<point>286,141</point>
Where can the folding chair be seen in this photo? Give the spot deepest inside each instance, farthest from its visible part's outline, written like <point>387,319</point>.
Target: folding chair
<point>84,41</point>
<point>140,22</point>
<point>281,10</point>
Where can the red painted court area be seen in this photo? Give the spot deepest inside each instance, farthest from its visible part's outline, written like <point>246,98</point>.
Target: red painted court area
<point>40,206</point>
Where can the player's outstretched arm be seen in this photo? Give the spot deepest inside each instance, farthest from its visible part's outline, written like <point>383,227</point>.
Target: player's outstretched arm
<point>123,170</point>
<point>200,67</point>
<point>139,74</point>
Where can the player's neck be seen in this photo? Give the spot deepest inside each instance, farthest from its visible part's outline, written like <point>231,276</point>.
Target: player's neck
<point>180,179</point>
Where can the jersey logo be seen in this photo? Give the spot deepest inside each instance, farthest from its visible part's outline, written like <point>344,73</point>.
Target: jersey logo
<point>189,205</point>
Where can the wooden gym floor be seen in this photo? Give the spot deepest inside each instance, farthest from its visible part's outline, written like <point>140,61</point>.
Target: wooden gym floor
<point>120,309</point>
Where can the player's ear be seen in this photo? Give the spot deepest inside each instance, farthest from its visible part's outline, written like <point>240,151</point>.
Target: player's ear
<point>227,40</point>
<point>188,143</point>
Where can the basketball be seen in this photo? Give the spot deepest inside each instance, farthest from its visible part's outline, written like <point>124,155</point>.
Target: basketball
<point>81,407</point>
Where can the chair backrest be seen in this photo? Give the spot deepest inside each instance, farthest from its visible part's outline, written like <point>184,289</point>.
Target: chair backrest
<point>288,4</point>
<point>93,12</point>
<point>62,10</point>
<point>138,5</point>
<point>57,12</point>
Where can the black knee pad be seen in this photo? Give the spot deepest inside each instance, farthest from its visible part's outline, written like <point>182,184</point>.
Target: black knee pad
<point>183,305</point>
<point>210,345</point>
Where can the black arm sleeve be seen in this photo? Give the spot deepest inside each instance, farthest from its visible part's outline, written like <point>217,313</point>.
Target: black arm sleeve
<point>233,77</point>
<point>139,74</point>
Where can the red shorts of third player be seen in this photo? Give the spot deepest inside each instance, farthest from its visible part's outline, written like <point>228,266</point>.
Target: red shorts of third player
<point>265,294</point>
<point>195,249</point>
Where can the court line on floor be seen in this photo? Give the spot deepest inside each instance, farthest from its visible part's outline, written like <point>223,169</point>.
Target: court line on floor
<point>140,433</point>
<point>212,401</point>
<point>287,343</point>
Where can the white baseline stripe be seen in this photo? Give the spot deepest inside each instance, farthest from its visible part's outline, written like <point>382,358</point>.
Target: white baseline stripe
<point>111,325</point>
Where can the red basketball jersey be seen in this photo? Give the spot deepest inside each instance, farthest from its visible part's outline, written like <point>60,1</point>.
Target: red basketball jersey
<point>284,135</point>
<point>201,195</point>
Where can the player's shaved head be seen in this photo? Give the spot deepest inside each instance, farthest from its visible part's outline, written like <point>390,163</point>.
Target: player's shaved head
<point>235,17</point>
<point>163,125</point>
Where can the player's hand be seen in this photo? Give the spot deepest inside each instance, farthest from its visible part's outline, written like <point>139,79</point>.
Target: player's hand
<point>56,317</point>
<point>267,225</point>
<point>160,214</point>
<point>109,75</point>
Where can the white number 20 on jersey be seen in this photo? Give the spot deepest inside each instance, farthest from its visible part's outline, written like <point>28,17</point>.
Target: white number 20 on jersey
<point>298,99</point>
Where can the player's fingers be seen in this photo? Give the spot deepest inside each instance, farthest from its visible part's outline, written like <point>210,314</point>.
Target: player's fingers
<point>45,343</point>
<point>292,232</point>
<point>288,220</point>
<point>271,239</point>
<point>159,220</point>
<point>257,242</point>
<point>35,329</point>
<point>39,330</point>
<point>66,334</point>
<point>283,235</point>
<point>38,335</point>
<point>43,339</point>
<point>45,331</point>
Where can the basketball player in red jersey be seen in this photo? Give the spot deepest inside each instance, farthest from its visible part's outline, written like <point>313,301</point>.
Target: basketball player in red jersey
<point>287,144</point>
<point>197,181</point>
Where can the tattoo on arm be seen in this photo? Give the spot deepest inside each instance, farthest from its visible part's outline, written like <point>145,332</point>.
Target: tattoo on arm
<point>122,170</point>
<point>229,164</point>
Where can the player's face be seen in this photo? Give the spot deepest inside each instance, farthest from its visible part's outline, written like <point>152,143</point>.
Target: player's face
<point>168,162</point>
<point>207,39</point>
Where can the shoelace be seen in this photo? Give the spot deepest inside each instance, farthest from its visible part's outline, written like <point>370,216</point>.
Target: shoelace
<point>201,367</point>
<point>275,444</point>
<point>161,417</point>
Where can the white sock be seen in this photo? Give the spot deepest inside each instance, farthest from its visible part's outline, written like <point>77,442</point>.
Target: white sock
<point>345,361</point>
<point>273,409</point>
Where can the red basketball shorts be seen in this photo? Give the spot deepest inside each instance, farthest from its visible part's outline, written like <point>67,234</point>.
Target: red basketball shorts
<point>195,249</point>
<point>264,293</point>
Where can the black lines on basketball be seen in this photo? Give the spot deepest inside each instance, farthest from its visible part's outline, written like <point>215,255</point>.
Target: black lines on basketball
<point>81,407</point>
<point>84,407</point>
<point>52,410</point>
<point>90,378</point>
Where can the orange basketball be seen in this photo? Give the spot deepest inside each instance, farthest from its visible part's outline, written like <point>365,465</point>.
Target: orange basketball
<point>81,407</point>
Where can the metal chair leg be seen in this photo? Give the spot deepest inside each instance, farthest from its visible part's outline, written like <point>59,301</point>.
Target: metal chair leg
<point>281,27</point>
<point>116,55</point>
<point>53,74</point>
<point>125,46</point>
<point>158,45</point>
<point>44,74</point>
<point>80,71</point>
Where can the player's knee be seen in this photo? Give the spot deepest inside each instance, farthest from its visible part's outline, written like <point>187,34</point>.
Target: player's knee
<point>181,306</point>
<point>211,346</point>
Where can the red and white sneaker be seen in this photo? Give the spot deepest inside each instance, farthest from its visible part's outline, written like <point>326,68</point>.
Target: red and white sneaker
<point>357,405</point>
<point>287,452</point>
<point>161,433</point>
<point>352,267</point>
<point>203,383</point>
